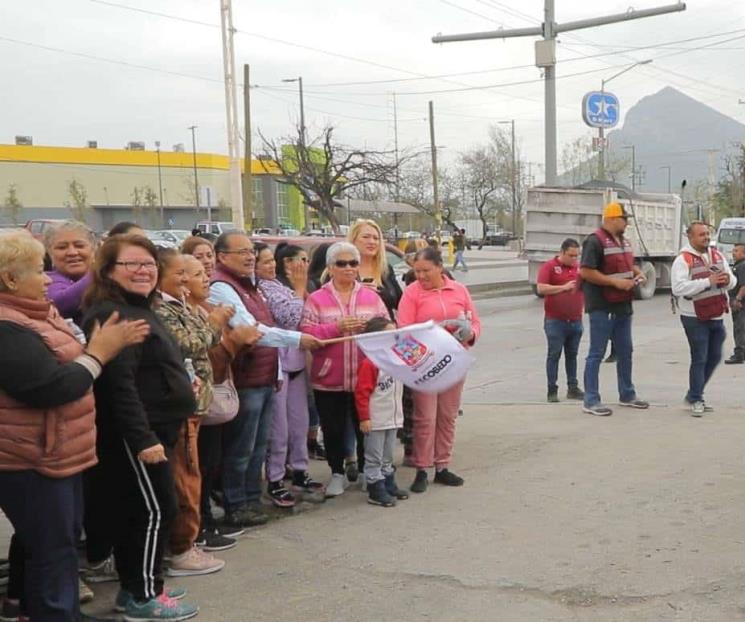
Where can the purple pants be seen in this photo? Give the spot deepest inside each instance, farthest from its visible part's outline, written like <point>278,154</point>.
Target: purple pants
<point>288,436</point>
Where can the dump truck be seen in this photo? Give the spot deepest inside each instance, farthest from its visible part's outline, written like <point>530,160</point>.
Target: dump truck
<point>553,214</point>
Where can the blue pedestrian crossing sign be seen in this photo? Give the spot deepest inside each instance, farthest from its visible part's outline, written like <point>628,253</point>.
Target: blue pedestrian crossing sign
<point>600,109</point>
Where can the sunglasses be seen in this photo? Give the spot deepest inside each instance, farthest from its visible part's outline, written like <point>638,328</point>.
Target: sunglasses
<point>342,263</point>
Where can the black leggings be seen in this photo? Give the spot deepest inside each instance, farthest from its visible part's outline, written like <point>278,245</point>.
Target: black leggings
<point>334,408</point>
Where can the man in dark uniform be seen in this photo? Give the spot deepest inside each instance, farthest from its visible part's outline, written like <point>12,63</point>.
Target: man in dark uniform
<point>609,274</point>
<point>737,294</point>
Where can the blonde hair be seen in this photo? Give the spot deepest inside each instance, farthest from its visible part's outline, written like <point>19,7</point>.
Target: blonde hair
<point>18,252</point>
<point>381,261</point>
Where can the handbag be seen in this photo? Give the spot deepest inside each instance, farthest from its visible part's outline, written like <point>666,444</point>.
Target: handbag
<point>225,402</point>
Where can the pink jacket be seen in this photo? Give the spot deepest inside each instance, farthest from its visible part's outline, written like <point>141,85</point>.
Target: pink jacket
<point>452,302</point>
<point>334,367</point>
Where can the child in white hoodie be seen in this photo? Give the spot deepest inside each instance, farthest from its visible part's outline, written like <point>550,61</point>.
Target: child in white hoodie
<point>378,400</point>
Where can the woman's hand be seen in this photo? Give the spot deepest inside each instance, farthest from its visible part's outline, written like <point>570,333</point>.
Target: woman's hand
<point>153,455</point>
<point>298,277</point>
<point>351,325</point>
<point>220,316</point>
<point>460,329</point>
<point>113,336</point>
<point>365,426</point>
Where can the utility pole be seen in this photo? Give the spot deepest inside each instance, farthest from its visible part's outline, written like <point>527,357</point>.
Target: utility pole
<point>160,185</point>
<point>299,81</point>
<point>398,172</point>
<point>194,161</point>
<point>545,52</point>
<point>601,130</point>
<point>513,173</point>
<point>248,207</point>
<point>231,112</point>
<point>633,165</point>
<point>669,174</point>
<point>435,193</point>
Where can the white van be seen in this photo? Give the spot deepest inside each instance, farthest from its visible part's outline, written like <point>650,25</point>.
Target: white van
<point>731,231</point>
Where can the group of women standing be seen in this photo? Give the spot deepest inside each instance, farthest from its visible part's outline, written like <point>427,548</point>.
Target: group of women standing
<point>131,330</point>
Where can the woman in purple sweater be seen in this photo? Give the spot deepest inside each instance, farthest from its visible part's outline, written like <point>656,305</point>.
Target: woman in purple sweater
<point>70,246</point>
<point>283,280</point>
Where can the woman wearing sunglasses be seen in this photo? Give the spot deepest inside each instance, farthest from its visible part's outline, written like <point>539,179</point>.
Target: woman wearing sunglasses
<point>340,307</point>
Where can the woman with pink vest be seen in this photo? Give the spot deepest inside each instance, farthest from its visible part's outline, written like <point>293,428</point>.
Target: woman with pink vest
<point>47,424</point>
<point>340,307</point>
<point>436,297</point>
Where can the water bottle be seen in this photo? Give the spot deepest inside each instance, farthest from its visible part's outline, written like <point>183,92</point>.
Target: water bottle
<point>189,367</point>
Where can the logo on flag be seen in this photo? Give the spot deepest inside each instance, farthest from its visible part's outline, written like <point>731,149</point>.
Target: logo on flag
<point>409,350</point>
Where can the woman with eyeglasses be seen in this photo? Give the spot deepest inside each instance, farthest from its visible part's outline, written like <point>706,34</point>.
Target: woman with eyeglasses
<point>143,398</point>
<point>283,279</point>
<point>340,307</point>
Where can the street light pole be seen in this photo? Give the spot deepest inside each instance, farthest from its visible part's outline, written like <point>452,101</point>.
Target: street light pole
<point>299,81</point>
<point>435,191</point>
<point>194,162</point>
<point>160,184</point>
<point>633,165</point>
<point>601,130</point>
<point>669,172</point>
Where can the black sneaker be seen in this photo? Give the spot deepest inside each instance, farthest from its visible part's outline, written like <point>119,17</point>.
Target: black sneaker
<point>635,403</point>
<point>212,540</point>
<point>598,410</point>
<point>575,393</point>
<point>448,478</point>
<point>280,496</point>
<point>352,471</point>
<point>420,482</point>
<point>229,531</point>
<point>392,488</point>
<point>245,517</point>
<point>552,397</point>
<point>303,482</point>
<point>378,495</point>
<point>734,360</point>
<point>316,451</point>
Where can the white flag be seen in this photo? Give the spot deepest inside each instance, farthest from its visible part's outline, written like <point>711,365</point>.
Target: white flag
<point>424,356</point>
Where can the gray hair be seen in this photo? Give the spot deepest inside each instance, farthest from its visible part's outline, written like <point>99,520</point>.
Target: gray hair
<point>68,225</point>
<point>340,248</point>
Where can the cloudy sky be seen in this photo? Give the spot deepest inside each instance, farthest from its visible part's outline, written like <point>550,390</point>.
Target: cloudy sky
<point>120,70</point>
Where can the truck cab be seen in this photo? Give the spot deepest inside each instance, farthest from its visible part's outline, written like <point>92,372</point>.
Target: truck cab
<point>731,231</point>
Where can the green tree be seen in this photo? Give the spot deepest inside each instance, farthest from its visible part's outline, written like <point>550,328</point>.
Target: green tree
<point>78,202</point>
<point>12,205</point>
<point>150,201</point>
<point>137,200</point>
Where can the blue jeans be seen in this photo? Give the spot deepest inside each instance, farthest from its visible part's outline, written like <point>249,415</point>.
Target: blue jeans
<point>562,335</point>
<point>605,326</point>
<point>244,447</point>
<point>705,340</point>
<point>459,260</point>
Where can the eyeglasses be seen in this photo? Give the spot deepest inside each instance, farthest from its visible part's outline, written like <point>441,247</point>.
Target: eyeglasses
<point>244,252</point>
<point>343,263</point>
<point>134,266</point>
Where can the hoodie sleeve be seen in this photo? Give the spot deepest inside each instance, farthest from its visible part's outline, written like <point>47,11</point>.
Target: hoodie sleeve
<point>367,379</point>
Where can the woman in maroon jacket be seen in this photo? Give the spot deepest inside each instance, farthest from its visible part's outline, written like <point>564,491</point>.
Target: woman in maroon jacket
<point>47,423</point>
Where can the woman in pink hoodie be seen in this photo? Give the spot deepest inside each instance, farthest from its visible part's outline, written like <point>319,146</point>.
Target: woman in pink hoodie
<point>436,297</point>
<point>341,307</point>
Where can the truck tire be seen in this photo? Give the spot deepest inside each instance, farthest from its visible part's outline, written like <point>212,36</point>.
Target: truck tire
<point>646,291</point>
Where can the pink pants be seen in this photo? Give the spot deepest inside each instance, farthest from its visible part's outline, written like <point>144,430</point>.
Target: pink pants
<point>434,426</point>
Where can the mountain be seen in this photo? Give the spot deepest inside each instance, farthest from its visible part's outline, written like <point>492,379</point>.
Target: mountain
<point>672,129</point>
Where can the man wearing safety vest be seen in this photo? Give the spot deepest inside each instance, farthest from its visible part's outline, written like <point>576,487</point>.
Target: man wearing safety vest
<point>609,274</point>
<point>701,277</point>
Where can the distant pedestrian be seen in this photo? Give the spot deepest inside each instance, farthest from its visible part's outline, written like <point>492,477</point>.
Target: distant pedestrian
<point>701,277</point>
<point>736,295</point>
<point>459,244</point>
<point>562,301</point>
<point>609,275</point>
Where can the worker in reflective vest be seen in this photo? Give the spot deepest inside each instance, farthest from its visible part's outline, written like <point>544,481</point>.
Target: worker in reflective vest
<point>701,277</point>
<point>608,277</point>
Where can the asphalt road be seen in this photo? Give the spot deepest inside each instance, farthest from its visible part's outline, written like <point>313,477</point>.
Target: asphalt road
<point>563,517</point>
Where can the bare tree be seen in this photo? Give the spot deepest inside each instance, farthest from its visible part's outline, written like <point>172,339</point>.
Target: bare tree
<point>323,170</point>
<point>481,181</point>
<point>137,201</point>
<point>415,188</point>
<point>78,203</point>
<point>12,205</point>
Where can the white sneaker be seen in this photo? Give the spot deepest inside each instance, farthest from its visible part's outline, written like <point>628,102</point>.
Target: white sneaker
<point>698,409</point>
<point>336,485</point>
<point>194,562</point>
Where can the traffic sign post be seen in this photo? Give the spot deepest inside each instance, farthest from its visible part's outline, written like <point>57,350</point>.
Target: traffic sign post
<point>600,109</point>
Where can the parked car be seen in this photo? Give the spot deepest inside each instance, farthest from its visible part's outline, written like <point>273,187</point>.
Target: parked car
<point>497,238</point>
<point>177,236</point>
<point>157,238</point>
<point>38,226</point>
<point>214,227</point>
